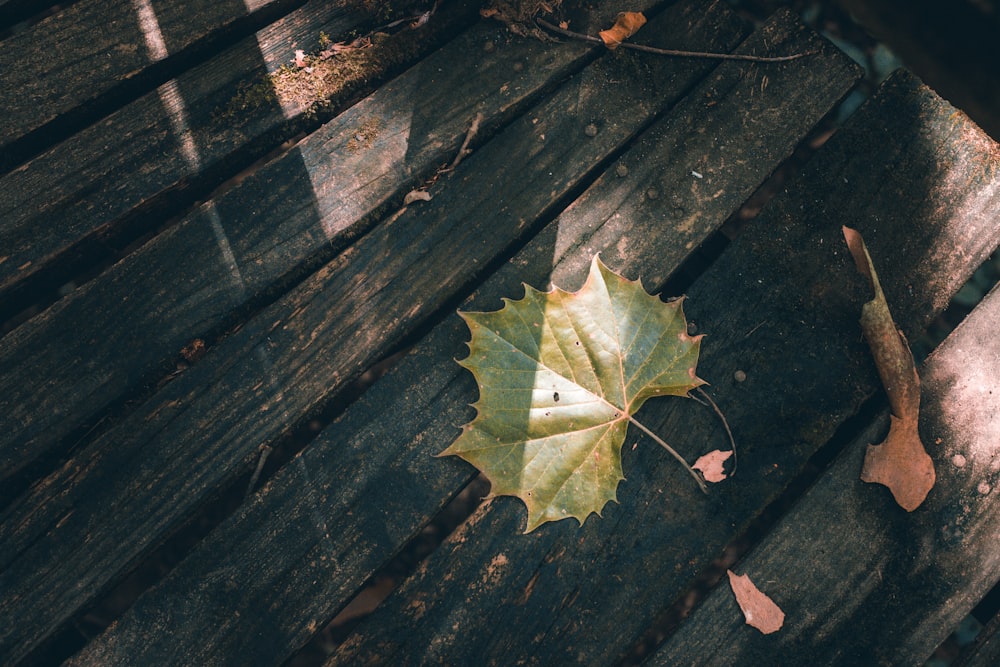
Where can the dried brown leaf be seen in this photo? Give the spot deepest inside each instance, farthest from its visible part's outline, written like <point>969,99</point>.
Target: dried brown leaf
<point>416,195</point>
<point>901,461</point>
<point>759,610</point>
<point>628,24</point>
<point>711,465</point>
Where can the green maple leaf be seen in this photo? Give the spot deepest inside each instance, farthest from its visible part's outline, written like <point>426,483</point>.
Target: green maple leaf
<point>560,377</point>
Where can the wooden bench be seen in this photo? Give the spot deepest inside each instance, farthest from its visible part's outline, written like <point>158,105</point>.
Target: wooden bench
<point>198,261</point>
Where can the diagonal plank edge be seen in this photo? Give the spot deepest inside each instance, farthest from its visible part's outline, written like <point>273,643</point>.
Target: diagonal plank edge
<point>73,57</point>
<point>151,159</point>
<point>89,521</point>
<point>847,557</point>
<point>61,367</point>
<point>985,650</point>
<point>774,306</point>
<point>367,485</point>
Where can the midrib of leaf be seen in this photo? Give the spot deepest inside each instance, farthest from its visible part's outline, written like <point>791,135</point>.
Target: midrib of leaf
<point>569,363</point>
<point>625,387</point>
<point>600,399</point>
<point>621,412</point>
<point>567,453</point>
<point>621,352</point>
<point>603,425</point>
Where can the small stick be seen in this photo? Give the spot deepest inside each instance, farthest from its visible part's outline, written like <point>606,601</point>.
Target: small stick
<point>697,477</point>
<point>420,19</point>
<point>673,52</point>
<point>464,150</point>
<point>265,451</point>
<point>421,193</point>
<point>732,440</point>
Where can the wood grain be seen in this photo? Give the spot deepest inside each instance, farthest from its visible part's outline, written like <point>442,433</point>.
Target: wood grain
<point>370,482</point>
<point>985,650</point>
<point>247,245</point>
<point>88,521</point>
<point>860,579</point>
<point>127,174</point>
<point>780,304</point>
<point>81,53</point>
<point>950,45</point>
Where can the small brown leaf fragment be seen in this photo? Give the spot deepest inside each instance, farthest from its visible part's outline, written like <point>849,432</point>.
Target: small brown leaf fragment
<point>759,610</point>
<point>415,196</point>
<point>421,20</point>
<point>194,351</point>
<point>711,465</point>
<point>901,462</point>
<point>627,24</point>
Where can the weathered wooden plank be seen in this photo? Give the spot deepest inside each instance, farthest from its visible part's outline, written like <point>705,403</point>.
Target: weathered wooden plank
<point>950,45</point>
<point>369,482</point>
<point>149,160</point>
<point>61,367</point>
<point>80,528</point>
<point>75,56</point>
<point>985,651</point>
<point>859,579</point>
<point>13,12</point>
<point>775,307</point>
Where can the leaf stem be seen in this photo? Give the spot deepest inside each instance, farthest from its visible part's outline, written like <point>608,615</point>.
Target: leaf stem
<point>674,52</point>
<point>658,439</point>
<point>725,424</point>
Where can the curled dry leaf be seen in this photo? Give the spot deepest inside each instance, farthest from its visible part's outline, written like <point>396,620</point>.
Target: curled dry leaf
<point>759,610</point>
<point>711,465</point>
<point>422,19</point>
<point>415,196</point>
<point>901,462</point>
<point>628,24</point>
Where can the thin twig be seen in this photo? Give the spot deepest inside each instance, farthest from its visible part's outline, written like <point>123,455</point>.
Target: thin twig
<point>732,440</point>
<point>464,150</point>
<point>673,52</point>
<point>418,19</point>
<point>421,193</point>
<point>265,451</point>
<point>697,477</point>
